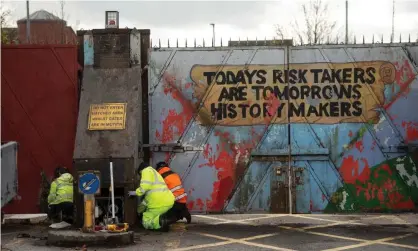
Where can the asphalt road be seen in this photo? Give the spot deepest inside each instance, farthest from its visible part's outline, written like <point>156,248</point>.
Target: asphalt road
<point>261,233</point>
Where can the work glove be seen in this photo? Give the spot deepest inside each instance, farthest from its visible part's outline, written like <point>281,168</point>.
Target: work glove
<point>141,208</point>
<point>131,193</point>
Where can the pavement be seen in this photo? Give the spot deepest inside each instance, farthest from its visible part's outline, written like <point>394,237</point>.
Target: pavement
<point>24,218</point>
<point>254,232</point>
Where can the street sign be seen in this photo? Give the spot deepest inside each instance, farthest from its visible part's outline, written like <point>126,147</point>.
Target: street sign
<point>89,183</point>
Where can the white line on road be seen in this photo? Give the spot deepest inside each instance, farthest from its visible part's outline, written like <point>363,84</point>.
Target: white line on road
<point>250,219</point>
<point>368,243</point>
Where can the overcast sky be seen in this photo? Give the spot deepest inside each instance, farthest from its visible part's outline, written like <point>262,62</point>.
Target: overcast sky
<point>191,19</point>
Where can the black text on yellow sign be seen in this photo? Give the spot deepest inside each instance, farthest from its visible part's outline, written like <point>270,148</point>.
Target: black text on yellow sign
<point>108,116</point>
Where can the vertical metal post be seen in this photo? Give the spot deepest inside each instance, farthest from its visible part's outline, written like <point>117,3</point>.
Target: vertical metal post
<point>27,22</point>
<point>89,213</point>
<point>393,22</point>
<point>289,169</point>
<point>346,21</point>
<point>213,35</point>
<point>112,190</point>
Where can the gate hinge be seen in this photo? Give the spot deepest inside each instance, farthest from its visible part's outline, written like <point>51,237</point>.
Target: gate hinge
<point>174,147</point>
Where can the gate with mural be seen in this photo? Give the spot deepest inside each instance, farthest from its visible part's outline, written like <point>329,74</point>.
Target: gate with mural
<point>331,127</point>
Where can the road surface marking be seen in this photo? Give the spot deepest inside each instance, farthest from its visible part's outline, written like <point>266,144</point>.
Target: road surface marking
<point>203,246</point>
<point>244,241</point>
<point>322,234</point>
<point>364,242</point>
<point>351,222</point>
<point>208,217</point>
<point>368,243</point>
<point>250,219</point>
<point>321,219</point>
<point>222,221</point>
<point>241,221</point>
<point>380,241</point>
<point>399,245</point>
<point>400,220</point>
<point>228,241</point>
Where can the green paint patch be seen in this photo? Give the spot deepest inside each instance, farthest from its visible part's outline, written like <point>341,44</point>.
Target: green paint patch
<point>391,186</point>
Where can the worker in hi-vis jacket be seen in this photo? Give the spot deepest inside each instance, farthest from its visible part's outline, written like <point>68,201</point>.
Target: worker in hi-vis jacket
<point>157,199</point>
<point>173,181</point>
<point>60,198</point>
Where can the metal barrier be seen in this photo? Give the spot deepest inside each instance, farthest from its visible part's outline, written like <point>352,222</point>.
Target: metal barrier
<point>8,172</point>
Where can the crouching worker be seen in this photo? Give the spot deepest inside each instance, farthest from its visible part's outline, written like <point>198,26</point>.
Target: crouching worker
<point>173,182</point>
<point>156,199</point>
<point>60,198</point>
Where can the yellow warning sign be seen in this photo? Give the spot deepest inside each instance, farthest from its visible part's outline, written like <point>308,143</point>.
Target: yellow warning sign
<point>108,116</point>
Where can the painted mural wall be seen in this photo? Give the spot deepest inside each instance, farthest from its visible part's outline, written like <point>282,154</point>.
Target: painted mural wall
<point>353,126</point>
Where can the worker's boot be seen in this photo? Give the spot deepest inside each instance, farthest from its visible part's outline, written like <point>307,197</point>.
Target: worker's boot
<point>164,224</point>
<point>188,218</point>
<point>166,220</point>
<point>186,214</point>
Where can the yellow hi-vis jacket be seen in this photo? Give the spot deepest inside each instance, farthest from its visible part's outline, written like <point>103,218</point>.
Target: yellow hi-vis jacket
<point>153,188</point>
<point>61,190</point>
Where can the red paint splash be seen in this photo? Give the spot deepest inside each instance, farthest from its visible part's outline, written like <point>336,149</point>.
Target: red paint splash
<point>228,160</point>
<point>359,145</point>
<point>350,170</point>
<point>384,190</point>
<point>404,73</point>
<point>411,129</point>
<point>373,144</point>
<point>394,199</point>
<point>404,77</point>
<point>172,126</point>
<point>395,202</point>
<point>190,205</point>
<point>200,205</point>
<point>174,123</point>
<point>273,104</point>
<point>385,168</point>
<point>224,163</point>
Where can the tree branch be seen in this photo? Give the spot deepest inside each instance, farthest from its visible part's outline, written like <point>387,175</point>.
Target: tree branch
<point>317,26</point>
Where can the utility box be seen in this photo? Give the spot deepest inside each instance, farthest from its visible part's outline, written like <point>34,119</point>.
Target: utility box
<point>110,117</point>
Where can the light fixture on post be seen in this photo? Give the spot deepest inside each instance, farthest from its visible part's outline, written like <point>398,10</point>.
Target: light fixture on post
<point>112,19</point>
<point>213,35</point>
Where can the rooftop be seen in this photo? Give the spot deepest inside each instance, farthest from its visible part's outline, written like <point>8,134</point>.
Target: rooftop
<point>42,15</point>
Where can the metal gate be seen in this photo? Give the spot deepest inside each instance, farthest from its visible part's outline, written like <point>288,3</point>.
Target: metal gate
<point>222,119</point>
<point>39,106</point>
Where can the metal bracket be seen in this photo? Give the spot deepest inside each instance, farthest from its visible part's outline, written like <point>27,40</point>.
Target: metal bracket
<point>281,170</point>
<point>298,181</point>
<point>298,169</point>
<point>402,148</point>
<point>174,147</point>
<point>296,154</point>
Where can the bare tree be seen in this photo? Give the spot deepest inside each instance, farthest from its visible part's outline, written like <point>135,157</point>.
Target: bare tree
<point>4,19</point>
<point>317,27</point>
<point>63,16</point>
